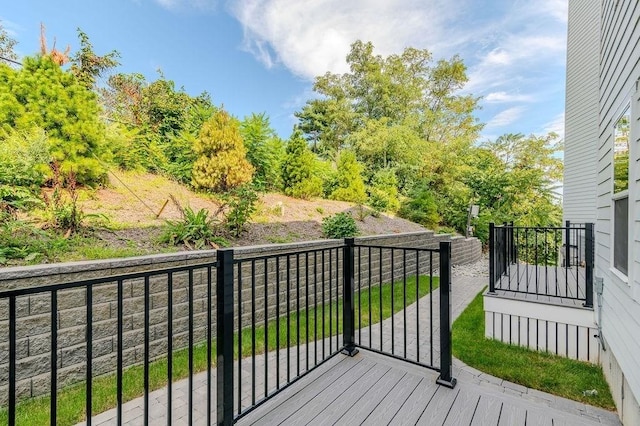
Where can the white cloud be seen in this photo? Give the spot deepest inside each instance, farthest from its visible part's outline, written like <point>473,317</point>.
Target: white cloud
<point>311,38</point>
<point>505,117</point>
<point>504,97</point>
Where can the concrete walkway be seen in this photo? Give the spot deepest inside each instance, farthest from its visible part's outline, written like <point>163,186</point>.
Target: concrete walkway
<point>465,287</point>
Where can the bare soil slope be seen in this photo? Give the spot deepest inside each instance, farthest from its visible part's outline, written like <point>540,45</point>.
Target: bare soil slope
<point>133,203</point>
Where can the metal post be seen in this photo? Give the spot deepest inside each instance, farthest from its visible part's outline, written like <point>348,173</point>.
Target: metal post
<point>224,329</point>
<point>348,291</point>
<point>492,259</point>
<point>567,245</point>
<point>445,378</point>
<point>590,258</point>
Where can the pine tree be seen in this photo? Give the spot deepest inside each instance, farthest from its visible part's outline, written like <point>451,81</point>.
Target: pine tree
<point>222,158</point>
<point>42,95</point>
<point>350,185</point>
<point>299,176</point>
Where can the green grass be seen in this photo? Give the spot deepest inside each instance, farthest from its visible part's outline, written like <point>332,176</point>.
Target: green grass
<point>538,370</point>
<point>71,400</point>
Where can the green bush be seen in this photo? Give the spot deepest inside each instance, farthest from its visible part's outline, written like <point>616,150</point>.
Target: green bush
<point>340,225</point>
<point>195,230</point>
<point>22,241</point>
<point>25,158</point>
<point>300,177</point>
<point>349,182</point>
<point>383,191</point>
<point>242,205</point>
<point>421,206</point>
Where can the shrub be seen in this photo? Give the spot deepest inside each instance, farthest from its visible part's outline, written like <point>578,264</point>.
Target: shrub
<point>383,192</point>
<point>242,205</point>
<point>350,186</point>
<point>25,158</point>
<point>340,225</point>
<point>23,241</point>
<point>222,164</point>
<point>299,170</point>
<point>421,206</point>
<point>195,230</point>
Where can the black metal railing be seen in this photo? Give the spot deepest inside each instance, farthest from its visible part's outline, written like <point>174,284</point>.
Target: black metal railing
<point>545,261</point>
<point>142,319</point>
<point>268,320</point>
<point>315,303</point>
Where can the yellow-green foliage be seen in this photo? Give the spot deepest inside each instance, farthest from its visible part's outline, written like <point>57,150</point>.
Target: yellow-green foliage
<point>42,95</point>
<point>350,186</point>
<point>222,158</point>
<point>300,170</point>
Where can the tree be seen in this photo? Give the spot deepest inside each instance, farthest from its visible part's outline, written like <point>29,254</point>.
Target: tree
<point>350,186</point>
<point>87,66</point>
<point>299,169</point>
<point>222,164</point>
<point>41,94</point>
<point>7,44</point>
<point>383,191</point>
<point>265,151</point>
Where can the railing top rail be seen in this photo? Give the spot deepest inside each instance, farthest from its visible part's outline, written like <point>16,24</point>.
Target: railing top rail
<point>423,249</point>
<point>5,294</point>
<point>542,228</point>
<point>286,253</point>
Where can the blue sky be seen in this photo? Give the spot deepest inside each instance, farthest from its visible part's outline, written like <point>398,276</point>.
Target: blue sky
<point>262,55</point>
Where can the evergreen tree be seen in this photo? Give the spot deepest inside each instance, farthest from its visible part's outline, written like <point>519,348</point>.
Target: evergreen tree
<point>299,176</point>
<point>41,94</point>
<point>350,185</point>
<point>222,164</point>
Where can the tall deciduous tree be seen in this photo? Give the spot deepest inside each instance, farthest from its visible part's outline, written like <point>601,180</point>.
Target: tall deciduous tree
<point>7,44</point>
<point>222,163</point>
<point>87,66</point>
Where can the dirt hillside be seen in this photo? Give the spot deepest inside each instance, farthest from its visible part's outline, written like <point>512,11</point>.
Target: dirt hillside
<point>138,204</point>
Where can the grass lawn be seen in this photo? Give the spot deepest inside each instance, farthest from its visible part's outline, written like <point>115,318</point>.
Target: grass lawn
<point>71,400</point>
<point>538,370</point>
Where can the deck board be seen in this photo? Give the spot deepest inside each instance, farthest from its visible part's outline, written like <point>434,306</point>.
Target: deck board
<point>371,389</point>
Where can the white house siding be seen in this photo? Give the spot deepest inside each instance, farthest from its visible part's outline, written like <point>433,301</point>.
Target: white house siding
<point>581,111</point>
<point>619,71</point>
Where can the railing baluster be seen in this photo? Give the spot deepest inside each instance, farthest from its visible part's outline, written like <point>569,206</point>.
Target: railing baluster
<point>53,415</point>
<point>323,305</point>
<point>306,304</point>
<point>393,337</point>
<point>380,297</point>
<point>288,319</point>
<point>298,313</point>
<point>315,308</point>
<point>418,305</point>
<point>404,301</point>
<point>330,301</point>
<point>146,350</point>
<point>12,361</point>
<point>239,338</point>
<point>370,300</point>
<point>210,341</point>
<point>277,322</point>
<point>190,396</point>
<point>266,329</point>
<point>169,346</point>
<point>431,307</point>
<point>119,356</point>
<point>89,339</point>
<point>253,331</point>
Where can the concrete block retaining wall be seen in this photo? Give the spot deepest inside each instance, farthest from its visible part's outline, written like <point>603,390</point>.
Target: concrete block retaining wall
<point>33,313</point>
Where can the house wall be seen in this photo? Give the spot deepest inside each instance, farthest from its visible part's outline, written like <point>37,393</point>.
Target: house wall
<point>619,72</point>
<point>581,112</point>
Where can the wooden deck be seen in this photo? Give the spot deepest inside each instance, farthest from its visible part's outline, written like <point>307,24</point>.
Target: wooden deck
<point>544,284</point>
<point>376,390</point>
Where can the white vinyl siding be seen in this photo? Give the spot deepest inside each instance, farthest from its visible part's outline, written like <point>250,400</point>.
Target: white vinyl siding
<point>619,71</point>
<point>581,112</point>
